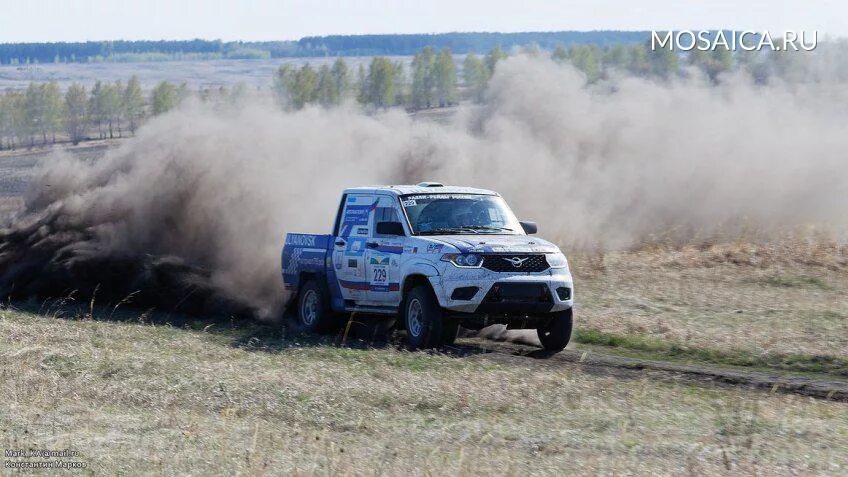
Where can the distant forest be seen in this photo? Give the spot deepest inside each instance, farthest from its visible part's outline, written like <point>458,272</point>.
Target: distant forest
<point>334,45</point>
<point>43,113</point>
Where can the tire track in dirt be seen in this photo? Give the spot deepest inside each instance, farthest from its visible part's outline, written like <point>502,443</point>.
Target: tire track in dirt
<point>598,363</point>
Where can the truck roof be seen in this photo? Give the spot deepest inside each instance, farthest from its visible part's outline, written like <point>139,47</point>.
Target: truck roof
<point>422,188</point>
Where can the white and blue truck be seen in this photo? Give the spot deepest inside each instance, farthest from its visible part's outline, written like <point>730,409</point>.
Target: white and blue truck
<point>431,257</point>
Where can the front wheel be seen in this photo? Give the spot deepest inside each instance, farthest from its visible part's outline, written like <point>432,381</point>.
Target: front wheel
<point>556,334</point>
<point>450,328</point>
<point>423,319</point>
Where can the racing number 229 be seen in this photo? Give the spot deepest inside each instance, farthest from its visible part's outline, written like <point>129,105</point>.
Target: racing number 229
<point>379,275</point>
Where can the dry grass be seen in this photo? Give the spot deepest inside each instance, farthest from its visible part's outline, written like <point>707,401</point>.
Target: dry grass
<point>784,298</point>
<point>136,398</point>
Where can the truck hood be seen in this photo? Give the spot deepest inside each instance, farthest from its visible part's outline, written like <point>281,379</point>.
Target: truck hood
<point>496,243</point>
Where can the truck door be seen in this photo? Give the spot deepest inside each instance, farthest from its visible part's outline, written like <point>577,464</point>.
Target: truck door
<point>382,256</point>
<point>349,247</point>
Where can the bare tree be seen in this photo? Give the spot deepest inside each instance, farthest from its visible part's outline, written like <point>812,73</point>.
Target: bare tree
<point>76,121</point>
<point>132,103</point>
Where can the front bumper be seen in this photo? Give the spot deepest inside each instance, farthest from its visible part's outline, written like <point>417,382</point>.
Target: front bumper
<point>514,302</point>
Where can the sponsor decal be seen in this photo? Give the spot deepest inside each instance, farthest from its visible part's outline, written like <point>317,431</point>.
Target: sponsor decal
<point>379,261</point>
<point>358,214</point>
<point>398,249</point>
<point>300,240</point>
<point>354,285</point>
<point>434,247</point>
<point>385,288</point>
<point>358,285</point>
<point>298,261</point>
<point>444,196</point>
<point>355,247</point>
<point>315,261</point>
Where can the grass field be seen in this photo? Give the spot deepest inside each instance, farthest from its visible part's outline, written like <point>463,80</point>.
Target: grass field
<point>136,398</point>
<point>765,304</point>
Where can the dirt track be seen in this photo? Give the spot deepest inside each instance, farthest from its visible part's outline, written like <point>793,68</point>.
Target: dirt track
<point>593,362</point>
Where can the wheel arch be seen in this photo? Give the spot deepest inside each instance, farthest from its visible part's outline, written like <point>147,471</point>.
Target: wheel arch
<point>419,272</point>
<point>302,278</point>
<point>413,280</point>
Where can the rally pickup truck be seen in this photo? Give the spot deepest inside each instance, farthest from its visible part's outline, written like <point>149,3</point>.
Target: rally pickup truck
<point>433,258</point>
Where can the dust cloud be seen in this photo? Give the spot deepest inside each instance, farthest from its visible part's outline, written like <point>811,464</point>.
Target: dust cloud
<point>192,212</point>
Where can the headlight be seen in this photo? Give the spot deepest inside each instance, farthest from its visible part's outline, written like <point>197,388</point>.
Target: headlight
<point>463,260</point>
<point>557,260</point>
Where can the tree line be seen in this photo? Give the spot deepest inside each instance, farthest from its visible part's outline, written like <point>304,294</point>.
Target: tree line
<point>432,81</point>
<point>458,42</point>
<point>123,50</point>
<point>435,80</point>
<point>335,45</point>
<point>42,113</point>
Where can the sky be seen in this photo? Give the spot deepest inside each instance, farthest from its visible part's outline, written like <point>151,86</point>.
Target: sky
<point>80,20</point>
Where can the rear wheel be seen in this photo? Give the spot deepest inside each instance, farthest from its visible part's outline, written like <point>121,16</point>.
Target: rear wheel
<point>313,308</point>
<point>423,318</point>
<point>556,334</point>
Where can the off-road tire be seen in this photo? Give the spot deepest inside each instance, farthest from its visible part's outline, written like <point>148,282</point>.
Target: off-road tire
<point>556,334</point>
<point>450,328</point>
<point>313,309</point>
<point>423,319</point>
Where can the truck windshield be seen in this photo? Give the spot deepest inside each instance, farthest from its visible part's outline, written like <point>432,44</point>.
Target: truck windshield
<point>434,214</point>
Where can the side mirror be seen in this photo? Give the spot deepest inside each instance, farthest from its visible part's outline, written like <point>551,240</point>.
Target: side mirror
<point>390,228</point>
<point>530,228</point>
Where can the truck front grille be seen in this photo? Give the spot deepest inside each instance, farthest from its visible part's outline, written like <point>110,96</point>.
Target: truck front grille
<point>517,298</point>
<point>516,262</point>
